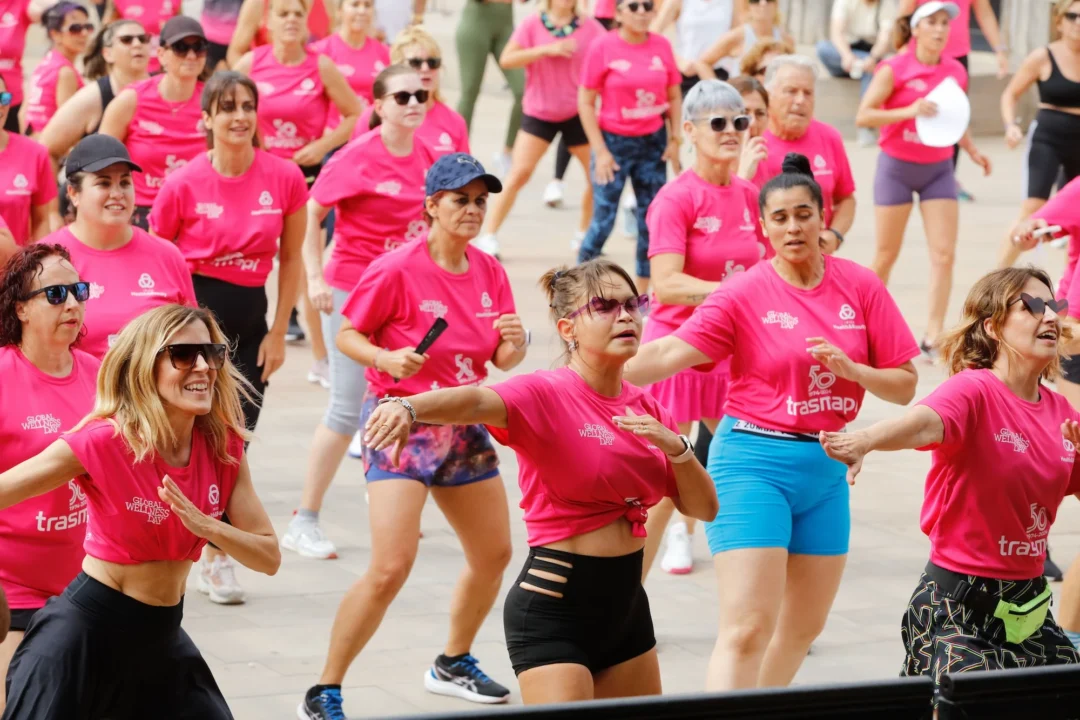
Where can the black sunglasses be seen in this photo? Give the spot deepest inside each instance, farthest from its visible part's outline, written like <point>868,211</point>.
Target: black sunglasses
<point>183,356</point>
<point>5,99</point>
<point>128,39</point>
<point>182,49</point>
<point>58,294</point>
<point>755,2</point>
<point>637,305</point>
<point>1037,306</point>
<point>719,123</point>
<point>1072,17</point>
<point>432,63</point>
<point>402,97</point>
<point>646,6</point>
<point>79,27</point>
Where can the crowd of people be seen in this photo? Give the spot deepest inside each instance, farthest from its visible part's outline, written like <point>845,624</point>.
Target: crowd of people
<point>160,171</point>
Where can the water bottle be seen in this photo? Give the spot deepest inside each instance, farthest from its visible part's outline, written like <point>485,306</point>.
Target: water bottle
<point>857,70</point>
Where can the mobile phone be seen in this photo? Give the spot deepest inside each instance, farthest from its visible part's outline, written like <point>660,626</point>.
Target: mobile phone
<point>437,329</point>
<point>1048,230</point>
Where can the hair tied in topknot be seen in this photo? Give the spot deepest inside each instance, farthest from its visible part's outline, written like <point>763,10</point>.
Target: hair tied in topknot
<point>555,278</point>
<point>797,163</point>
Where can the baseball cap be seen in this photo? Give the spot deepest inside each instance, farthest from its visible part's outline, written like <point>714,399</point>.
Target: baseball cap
<point>926,10</point>
<point>455,171</point>
<point>97,152</point>
<point>180,27</point>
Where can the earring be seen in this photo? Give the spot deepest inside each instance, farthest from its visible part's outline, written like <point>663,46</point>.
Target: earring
<point>572,345</point>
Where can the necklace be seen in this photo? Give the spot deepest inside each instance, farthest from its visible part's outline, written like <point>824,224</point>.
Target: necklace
<point>559,32</point>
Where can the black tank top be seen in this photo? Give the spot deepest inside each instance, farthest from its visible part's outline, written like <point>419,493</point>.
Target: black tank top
<point>107,96</point>
<point>1057,89</point>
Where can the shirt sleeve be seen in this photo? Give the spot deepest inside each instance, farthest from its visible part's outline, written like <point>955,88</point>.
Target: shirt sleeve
<point>184,284</point>
<point>525,398</point>
<point>1061,210</point>
<point>891,342</point>
<point>92,444</point>
<point>462,135</point>
<point>711,329</point>
<point>956,401</point>
<point>296,189</point>
<point>593,69</point>
<point>523,34</point>
<point>371,304</point>
<point>45,191</point>
<point>338,179</point>
<point>668,223</point>
<point>165,212</point>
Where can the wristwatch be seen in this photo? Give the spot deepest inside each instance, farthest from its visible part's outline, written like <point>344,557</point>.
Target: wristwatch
<point>687,454</point>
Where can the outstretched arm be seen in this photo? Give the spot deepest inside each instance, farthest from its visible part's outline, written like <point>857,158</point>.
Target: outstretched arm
<point>660,359</point>
<point>918,427</point>
<point>44,472</point>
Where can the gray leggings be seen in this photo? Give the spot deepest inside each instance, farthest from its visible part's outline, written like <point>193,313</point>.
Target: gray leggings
<point>347,382</point>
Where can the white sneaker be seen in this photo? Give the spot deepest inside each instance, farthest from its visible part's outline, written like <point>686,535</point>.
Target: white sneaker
<point>500,164</point>
<point>356,447</point>
<point>319,374</point>
<point>579,237</point>
<point>218,580</point>
<point>553,194</point>
<point>866,137</point>
<point>487,243</point>
<point>678,558</point>
<point>306,539</point>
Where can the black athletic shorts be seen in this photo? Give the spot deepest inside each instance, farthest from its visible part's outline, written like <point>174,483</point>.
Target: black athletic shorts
<point>572,131</point>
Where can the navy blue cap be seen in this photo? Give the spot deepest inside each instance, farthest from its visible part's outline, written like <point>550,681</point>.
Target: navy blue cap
<point>455,171</point>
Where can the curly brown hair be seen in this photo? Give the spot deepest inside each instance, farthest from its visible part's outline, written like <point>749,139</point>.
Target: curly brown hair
<point>16,280</point>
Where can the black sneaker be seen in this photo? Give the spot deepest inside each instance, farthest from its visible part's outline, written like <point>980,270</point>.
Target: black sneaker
<point>295,333</point>
<point>929,351</point>
<point>462,677</point>
<point>1051,571</point>
<point>321,704</point>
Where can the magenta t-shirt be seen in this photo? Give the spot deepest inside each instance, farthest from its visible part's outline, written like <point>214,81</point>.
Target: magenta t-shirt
<point>379,200</point>
<point>403,292</point>
<point>1064,209</point>
<point>293,104</point>
<point>997,477</point>
<point>824,147</point>
<point>129,524</point>
<point>443,131</point>
<point>162,136</point>
<point>913,81</point>
<point>762,322</point>
<point>14,22</point>
<point>553,416</point>
<point>604,9</point>
<point>41,538</point>
<point>360,66</point>
<point>126,282</point>
<point>26,181</point>
<point>632,81</point>
<point>228,227</point>
<point>959,43</point>
<point>551,83</point>
<point>41,104</point>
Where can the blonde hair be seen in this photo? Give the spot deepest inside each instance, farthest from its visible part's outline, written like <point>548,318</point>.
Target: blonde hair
<point>969,345</point>
<point>751,61</point>
<point>579,6</point>
<point>415,35</point>
<point>127,392</point>
<point>1060,8</point>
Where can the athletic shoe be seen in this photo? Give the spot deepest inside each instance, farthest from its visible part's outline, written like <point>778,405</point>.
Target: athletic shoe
<point>356,447</point>
<point>553,195</point>
<point>218,580</point>
<point>679,557</point>
<point>319,374</point>
<point>487,243</point>
<point>323,704</point>
<point>501,164</point>
<point>1051,571</point>
<point>463,678</point>
<point>963,195</point>
<point>866,137</point>
<point>306,539</point>
<point>295,333</point>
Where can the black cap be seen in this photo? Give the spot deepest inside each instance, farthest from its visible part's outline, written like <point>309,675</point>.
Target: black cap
<point>97,152</point>
<point>179,27</point>
<point>455,171</point>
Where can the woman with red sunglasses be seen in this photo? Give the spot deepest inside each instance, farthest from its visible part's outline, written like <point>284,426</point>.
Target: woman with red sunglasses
<point>55,79</point>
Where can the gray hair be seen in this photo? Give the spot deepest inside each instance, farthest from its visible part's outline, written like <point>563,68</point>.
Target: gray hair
<point>783,61</point>
<point>710,96</point>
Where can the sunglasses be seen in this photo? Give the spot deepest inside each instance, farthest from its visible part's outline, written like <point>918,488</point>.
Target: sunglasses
<point>1072,17</point>
<point>199,47</point>
<point>1037,306</point>
<point>183,356</point>
<point>58,294</point>
<point>646,7</point>
<point>402,97</point>
<point>719,123</point>
<point>143,39</point>
<point>432,63</point>
<point>5,99</point>
<point>638,305</point>
<point>76,28</point>
<point>758,2</point>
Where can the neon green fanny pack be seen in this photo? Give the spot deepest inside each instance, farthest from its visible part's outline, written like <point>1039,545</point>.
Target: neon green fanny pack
<point>1021,621</point>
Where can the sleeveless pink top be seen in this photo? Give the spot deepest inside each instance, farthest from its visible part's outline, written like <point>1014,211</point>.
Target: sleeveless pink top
<point>41,103</point>
<point>162,136</point>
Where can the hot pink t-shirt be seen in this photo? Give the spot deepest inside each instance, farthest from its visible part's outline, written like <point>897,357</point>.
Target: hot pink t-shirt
<point>403,292</point>
<point>824,147</point>
<point>126,282</point>
<point>152,15</point>
<point>360,66</point>
<point>162,136</point>
<point>632,81</point>
<point>443,131</point>
<point>129,524</point>
<point>41,103</point>
<point>41,538</point>
<point>26,181</point>
<point>912,81</point>
<point>959,43</point>
<point>1062,209</point>
<point>379,200</point>
<point>553,415</point>
<point>293,104</point>
<point>761,322</point>
<point>997,477</point>
<point>228,227</point>
<point>14,22</point>
<point>551,83</point>
<point>604,9</point>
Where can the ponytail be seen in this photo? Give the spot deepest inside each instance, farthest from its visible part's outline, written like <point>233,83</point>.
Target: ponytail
<point>901,34</point>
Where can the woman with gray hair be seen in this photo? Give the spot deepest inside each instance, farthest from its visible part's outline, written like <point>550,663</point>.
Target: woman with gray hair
<point>704,227</point>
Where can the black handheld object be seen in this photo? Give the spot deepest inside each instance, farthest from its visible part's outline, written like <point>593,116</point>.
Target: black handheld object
<point>437,329</point>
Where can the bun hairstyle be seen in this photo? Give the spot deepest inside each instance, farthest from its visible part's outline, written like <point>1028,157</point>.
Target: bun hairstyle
<point>795,172</point>
<point>568,288</point>
<point>378,90</point>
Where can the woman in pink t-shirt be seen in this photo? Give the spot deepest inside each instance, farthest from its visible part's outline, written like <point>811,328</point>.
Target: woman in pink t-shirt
<point>16,16</point>
<point>756,99</point>
<point>806,335</point>
<point>153,14</point>
<point>48,388</point>
<point>576,619</point>
<point>55,78</point>
<point>1004,457</point>
<point>161,465</point>
<point>355,50</point>
<point>906,166</point>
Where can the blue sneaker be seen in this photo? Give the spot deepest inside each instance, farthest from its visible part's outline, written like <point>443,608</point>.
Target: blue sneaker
<point>462,677</point>
<point>322,704</point>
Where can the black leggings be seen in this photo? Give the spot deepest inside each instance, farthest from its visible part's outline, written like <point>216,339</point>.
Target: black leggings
<point>963,60</point>
<point>1053,153</point>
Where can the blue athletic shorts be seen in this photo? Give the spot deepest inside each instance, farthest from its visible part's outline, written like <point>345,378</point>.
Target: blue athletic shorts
<point>776,492</point>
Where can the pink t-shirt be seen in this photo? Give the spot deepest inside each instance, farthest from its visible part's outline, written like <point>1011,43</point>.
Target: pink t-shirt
<point>553,415</point>
<point>761,322</point>
<point>162,136</point>
<point>551,83</point>
<point>379,200</point>
<point>14,22</point>
<point>126,282</point>
<point>912,81</point>
<point>997,477</point>
<point>403,292</point>
<point>604,9</point>
<point>360,66</point>
<point>41,538</point>
<point>1062,209</point>
<point>824,147</point>
<point>716,229</point>
<point>959,29</point>
<point>26,181</point>
<point>228,227</point>
<point>152,15</point>
<point>129,524</point>
<point>41,104</point>
<point>443,131</point>
<point>632,81</point>
<point>293,104</point>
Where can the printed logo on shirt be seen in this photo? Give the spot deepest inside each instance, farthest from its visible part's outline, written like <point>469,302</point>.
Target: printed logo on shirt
<point>912,137</point>
<point>1011,437</point>
<point>847,316</point>
<point>172,164</point>
<point>416,230</point>
<point>8,20</point>
<point>435,385</point>
<point>212,211</point>
<point>783,319</point>
<point>36,92</point>
<point>96,290</point>
<point>446,143</point>
<point>708,224</point>
<point>377,68</point>
<point>155,512</point>
<point>146,283</point>
<point>465,374</point>
<point>135,11</point>
<point>214,496</point>
<point>918,85</point>
<point>19,185</point>
<point>821,166</point>
<point>620,65</point>
<point>390,187</point>
<point>6,63</point>
<point>730,268</point>
<point>236,260</point>
<point>600,432</point>
<point>78,513</point>
<point>264,88</point>
<point>821,397</point>
<point>1070,451</point>
<point>434,307</point>
<point>285,137</point>
<point>347,70</point>
<point>150,128</point>
<point>486,302</point>
<point>266,202</point>
<point>748,224</point>
<point>657,64</point>
<point>307,87</point>
<point>48,424</point>
<point>1035,545</point>
<point>646,106</point>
